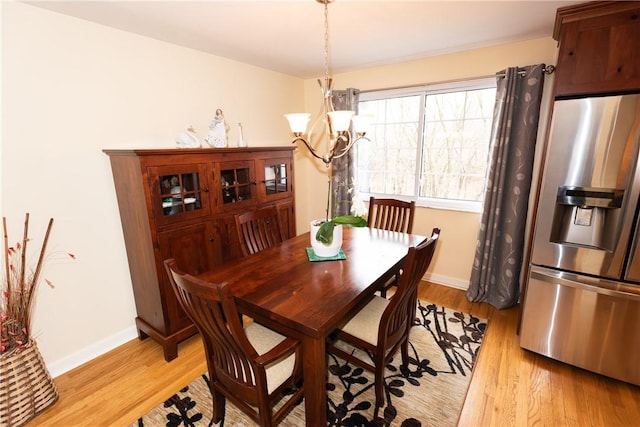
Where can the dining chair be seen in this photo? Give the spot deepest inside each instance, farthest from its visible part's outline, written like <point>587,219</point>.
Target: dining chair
<point>391,215</point>
<point>251,366</point>
<point>383,325</point>
<point>259,229</point>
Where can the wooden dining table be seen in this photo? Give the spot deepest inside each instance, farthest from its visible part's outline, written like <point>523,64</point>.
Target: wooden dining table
<point>285,291</point>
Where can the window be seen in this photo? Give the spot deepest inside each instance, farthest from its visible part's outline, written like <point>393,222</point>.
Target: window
<point>429,144</point>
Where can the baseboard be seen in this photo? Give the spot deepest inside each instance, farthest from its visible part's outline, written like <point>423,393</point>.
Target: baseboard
<point>91,352</point>
<point>452,282</point>
<point>97,349</point>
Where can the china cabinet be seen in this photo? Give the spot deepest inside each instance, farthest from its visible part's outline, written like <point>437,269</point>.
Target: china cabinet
<point>180,203</point>
<point>598,48</point>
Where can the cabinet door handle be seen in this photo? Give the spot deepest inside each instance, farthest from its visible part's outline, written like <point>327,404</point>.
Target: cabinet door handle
<point>254,183</point>
<point>212,239</point>
<point>205,189</point>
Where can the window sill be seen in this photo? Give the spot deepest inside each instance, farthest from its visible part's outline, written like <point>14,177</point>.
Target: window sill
<point>449,205</point>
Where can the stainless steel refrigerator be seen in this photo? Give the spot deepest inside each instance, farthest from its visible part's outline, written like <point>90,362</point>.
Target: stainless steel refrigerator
<point>582,300</point>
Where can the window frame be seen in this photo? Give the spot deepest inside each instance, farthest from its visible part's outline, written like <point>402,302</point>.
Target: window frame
<point>423,91</point>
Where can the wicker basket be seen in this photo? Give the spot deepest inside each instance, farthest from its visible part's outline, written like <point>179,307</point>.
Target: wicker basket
<point>26,388</point>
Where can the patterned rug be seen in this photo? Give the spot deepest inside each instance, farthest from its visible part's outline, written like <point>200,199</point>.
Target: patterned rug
<point>429,392</point>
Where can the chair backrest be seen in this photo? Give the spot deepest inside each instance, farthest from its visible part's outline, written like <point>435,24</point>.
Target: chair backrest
<point>213,310</point>
<point>259,229</point>
<point>398,316</point>
<point>391,214</point>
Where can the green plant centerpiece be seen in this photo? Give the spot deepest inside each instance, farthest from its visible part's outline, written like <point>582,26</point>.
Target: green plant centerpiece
<point>325,232</point>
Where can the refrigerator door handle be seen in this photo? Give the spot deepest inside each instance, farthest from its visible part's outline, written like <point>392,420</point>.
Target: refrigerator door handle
<point>601,286</point>
<point>632,272</point>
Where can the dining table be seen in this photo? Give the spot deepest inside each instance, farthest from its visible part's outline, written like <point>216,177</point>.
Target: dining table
<point>283,289</point>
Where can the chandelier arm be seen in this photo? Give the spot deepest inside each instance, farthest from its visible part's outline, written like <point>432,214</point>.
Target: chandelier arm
<point>348,147</point>
<point>326,160</point>
<point>342,137</point>
<point>361,137</point>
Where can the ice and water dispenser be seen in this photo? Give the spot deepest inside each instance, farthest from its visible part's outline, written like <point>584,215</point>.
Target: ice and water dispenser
<point>587,216</point>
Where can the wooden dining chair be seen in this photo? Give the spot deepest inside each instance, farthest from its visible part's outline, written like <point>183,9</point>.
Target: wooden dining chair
<point>251,366</point>
<point>383,325</point>
<point>259,229</point>
<point>391,215</point>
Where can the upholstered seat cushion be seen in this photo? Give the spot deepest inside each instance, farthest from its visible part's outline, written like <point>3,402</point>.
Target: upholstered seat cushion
<point>264,339</point>
<point>365,323</point>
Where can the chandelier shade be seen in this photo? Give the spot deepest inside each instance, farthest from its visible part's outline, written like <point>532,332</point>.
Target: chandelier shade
<point>361,124</point>
<point>298,122</point>
<point>339,139</point>
<point>340,120</point>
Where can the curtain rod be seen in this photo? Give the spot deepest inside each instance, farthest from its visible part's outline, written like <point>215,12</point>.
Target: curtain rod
<point>429,84</point>
<point>547,69</point>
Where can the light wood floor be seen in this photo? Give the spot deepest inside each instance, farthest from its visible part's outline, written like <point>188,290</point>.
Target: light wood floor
<point>510,386</point>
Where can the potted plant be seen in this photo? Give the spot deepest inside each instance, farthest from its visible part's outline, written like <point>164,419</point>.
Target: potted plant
<point>326,234</point>
<point>26,388</point>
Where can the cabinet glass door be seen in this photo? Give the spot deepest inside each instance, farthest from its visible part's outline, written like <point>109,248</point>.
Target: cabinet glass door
<point>237,184</point>
<point>178,192</point>
<point>275,178</point>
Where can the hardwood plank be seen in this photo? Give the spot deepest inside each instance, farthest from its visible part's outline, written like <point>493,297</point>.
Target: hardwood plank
<point>510,386</point>
<point>116,388</point>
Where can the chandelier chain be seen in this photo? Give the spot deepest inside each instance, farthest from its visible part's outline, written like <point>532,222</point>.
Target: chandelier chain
<point>326,41</point>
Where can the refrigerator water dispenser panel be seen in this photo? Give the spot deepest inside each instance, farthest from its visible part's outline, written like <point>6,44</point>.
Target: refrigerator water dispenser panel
<point>587,216</point>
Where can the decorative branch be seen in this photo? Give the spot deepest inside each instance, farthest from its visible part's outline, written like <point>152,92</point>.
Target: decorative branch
<point>23,261</point>
<point>6,263</point>
<point>36,274</point>
<point>19,289</point>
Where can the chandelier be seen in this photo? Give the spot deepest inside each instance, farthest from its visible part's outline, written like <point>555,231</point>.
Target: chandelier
<point>336,123</point>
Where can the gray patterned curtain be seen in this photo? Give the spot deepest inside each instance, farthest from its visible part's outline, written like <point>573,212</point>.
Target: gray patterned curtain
<point>343,169</point>
<point>500,246</point>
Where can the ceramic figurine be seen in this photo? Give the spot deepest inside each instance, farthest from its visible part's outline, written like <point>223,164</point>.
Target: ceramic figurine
<point>218,130</point>
<point>188,138</point>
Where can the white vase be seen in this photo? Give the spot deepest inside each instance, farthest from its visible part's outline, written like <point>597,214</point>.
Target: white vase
<point>320,248</point>
<point>241,142</point>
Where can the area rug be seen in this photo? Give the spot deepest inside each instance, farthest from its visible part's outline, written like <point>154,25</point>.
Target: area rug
<point>430,391</point>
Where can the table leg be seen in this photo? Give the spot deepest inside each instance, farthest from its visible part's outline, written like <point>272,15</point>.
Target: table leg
<point>315,381</point>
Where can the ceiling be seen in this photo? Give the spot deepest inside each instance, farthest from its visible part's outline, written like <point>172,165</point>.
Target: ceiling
<point>288,35</point>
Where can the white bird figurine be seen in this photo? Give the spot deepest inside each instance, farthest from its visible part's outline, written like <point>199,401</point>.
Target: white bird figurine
<point>188,138</point>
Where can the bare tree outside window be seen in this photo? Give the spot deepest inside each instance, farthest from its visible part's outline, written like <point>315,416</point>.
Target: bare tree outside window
<point>429,144</point>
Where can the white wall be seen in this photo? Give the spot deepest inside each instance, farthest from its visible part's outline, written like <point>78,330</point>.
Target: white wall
<point>71,88</point>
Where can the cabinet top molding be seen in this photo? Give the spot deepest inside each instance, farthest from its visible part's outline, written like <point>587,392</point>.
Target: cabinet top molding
<point>589,10</point>
<point>173,151</point>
